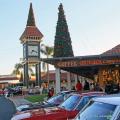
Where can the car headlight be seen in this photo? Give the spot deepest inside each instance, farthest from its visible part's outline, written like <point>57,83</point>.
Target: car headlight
<point>21,116</point>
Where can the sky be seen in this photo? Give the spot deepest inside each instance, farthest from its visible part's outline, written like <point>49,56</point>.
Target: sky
<point>94,26</point>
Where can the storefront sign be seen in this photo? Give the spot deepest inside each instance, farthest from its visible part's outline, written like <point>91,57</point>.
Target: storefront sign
<point>76,63</point>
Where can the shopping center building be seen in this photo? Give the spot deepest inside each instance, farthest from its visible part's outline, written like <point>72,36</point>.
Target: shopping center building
<point>99,68</point>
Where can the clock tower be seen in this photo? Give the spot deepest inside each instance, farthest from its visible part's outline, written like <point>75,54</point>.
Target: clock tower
<point>31,39</point>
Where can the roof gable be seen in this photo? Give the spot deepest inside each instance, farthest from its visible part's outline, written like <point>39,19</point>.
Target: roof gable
<point>114,51</point>
<point>31,32</point>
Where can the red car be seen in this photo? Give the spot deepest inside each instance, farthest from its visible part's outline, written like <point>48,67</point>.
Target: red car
<point>1,92</point>
<point>51,102</point>
<point>68,109</point>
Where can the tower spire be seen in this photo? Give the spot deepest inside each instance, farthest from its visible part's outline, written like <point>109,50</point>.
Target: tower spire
<point>31,31</point>
<point>31,19</point>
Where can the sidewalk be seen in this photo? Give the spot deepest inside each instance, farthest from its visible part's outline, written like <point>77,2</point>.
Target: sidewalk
<point>19,100</point>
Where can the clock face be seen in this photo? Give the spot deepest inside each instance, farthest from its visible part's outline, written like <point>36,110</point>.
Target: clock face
<point>33,50</point>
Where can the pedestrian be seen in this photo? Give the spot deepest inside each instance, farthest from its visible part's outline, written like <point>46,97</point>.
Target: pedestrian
<point>97,87</point>
<point>115,88</point>
<point>92,86</point>
<point>78,86</point>
<point>108,87</point>
<point>50,93</point>
<point>41,90</point>
<point>86,85</point>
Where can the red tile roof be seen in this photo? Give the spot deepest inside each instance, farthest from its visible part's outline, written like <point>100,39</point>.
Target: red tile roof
<point>52,76</point>
<point>9,78</point>
<point>113,51</point>
<point>31,31</point>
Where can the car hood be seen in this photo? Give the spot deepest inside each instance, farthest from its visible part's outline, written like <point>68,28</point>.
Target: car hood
<point>41,113</point>
<point>45,111</point>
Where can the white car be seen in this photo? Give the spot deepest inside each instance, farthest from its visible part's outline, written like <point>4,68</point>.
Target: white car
<point>101,108</point>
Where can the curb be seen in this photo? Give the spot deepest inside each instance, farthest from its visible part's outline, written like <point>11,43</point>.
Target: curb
<point>12,101</point>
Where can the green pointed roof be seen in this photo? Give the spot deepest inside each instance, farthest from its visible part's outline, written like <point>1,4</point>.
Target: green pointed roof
<point>31,19</point>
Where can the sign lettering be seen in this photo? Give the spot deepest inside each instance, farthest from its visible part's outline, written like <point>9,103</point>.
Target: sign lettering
<point>75,63</point>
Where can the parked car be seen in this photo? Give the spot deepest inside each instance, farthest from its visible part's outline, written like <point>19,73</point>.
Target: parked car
<point>8,91</point>
<point>53,101</point>
<point>17,90</point>
<point>103,108</point>
<point>1,92</point>
<point>13,91</point>
<point>66,110</point>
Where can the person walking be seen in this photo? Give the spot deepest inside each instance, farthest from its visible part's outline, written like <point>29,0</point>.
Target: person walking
<point>50,93</point>
<point>86,85</point>
<point>108,87</point>
<point>78,86</point>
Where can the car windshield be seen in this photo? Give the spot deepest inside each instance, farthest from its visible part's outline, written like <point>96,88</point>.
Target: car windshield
<point>56,99</point>
<point>71,102</point>
<point>84,100</point>
<point>96,111</point>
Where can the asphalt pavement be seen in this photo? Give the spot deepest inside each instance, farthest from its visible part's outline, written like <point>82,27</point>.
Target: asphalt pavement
<point>19,101</point>
<point>7,108</point>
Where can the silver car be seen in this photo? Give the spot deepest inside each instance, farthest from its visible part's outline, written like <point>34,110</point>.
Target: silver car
<point>101,108</point>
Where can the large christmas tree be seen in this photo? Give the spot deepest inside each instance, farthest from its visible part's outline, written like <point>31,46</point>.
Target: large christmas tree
<point>62,43</point>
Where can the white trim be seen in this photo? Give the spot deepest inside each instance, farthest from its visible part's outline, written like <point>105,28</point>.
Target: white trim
<point>9,81</point>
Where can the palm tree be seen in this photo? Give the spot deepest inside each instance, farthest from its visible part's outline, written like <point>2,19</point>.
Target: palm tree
<point>48,51</point>
<point>18,70</point>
